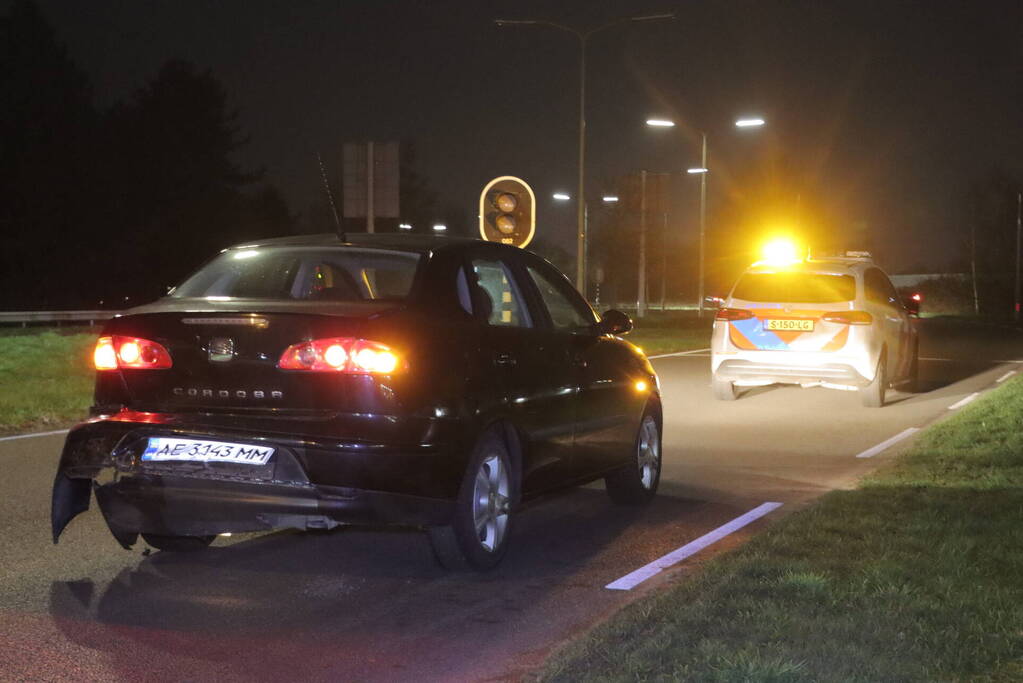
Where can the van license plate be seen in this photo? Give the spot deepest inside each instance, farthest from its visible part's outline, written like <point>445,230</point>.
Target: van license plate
<point>161,448</point>
<point>789,325</point>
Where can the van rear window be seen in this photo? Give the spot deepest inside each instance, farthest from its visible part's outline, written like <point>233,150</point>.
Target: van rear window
<point>804,288</point>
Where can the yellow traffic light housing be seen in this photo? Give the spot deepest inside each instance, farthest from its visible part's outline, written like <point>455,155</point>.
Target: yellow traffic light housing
<point>508,211</point>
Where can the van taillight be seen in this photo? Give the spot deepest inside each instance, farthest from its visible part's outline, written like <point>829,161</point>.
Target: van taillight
<point>340,354</point>
<point>116,352</point>
<point>733,314</point>
<point>849,317</point>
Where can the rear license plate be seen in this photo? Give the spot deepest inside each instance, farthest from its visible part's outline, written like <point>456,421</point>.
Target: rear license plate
<point>161,448</point>
<point>789,325</point>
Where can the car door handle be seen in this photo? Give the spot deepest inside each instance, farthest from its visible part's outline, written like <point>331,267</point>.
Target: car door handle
<point>505,360</point>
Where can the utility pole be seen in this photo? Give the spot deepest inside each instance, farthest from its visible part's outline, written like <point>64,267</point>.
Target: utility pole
<point>1019,206</point>
<point>703,220</point>
<point>973,266</point>
<point>641,292</point>
<point>664,258</point>
<point>370,199</point>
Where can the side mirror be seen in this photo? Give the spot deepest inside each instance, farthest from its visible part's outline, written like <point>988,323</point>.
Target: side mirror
<point>713,302</point>
<point>614,322</point>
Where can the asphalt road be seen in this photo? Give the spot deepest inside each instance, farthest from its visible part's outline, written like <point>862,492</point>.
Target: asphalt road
<point>358,604</point>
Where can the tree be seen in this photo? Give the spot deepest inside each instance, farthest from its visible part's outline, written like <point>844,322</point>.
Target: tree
<point>47,151</point>
<point>176,183</point>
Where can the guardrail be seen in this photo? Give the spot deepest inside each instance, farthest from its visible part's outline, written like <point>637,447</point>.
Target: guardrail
<point>26,317</point>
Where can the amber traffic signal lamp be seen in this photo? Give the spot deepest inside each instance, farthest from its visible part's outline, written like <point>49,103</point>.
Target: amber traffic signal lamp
<point>508,211</point>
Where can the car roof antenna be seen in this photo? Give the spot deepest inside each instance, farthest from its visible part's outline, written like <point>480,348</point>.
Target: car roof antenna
<point>330,197</point>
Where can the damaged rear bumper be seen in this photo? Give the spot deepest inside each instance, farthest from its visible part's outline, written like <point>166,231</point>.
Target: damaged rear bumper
<point>309,483</point>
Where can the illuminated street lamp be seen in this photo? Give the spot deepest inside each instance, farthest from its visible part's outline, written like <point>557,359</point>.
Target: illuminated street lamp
<point>749,123</point>
<point>702,171</point>
<point>404,226</point>
<point>583,36</point>
<point>440,227</point>
<point>606,199</point>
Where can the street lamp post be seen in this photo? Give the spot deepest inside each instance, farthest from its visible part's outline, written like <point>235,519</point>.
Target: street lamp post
<point>703,225</point>
<point>607,199</point>
<point>583,36</point>
<point>702,171</point>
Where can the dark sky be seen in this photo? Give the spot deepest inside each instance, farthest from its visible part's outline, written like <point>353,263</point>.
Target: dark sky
<point>879,113</point>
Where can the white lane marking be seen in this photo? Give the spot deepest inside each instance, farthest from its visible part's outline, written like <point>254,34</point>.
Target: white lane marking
<point>1006,376</point>
<point>960,404</point>
<point>633,579</point>
<point>905,434</point>
<point>679,353</point>
<point>32,436</point>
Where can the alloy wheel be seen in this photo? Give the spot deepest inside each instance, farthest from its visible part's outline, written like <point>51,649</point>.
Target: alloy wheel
<point>648,452</point>
<point>491,504</point>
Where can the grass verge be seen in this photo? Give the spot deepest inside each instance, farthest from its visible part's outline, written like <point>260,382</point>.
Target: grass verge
<point>917,575</point>
<point>45,379</point>
<point>671,331</point>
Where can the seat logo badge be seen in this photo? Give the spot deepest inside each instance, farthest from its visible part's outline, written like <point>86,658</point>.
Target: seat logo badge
<point>221,349</point>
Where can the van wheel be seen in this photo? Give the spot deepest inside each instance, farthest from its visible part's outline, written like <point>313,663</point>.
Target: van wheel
<point>636,483</point>
<point>177,544</point>
<point>477,538</point>
<point>724,390</point>
<point>872,395</point>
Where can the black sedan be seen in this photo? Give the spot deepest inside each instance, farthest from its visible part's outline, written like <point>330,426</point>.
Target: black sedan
<point>308,382</point>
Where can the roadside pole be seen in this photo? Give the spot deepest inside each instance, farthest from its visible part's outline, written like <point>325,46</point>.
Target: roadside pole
<point>973,266</point>
<point>641,291</point>
<point>1019,205</point>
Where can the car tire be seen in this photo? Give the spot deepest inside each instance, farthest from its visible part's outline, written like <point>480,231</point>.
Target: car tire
<point>873,394</point>
<point>724,390</point>
<point>177,544</point>
<point>477,538</point>
<point>636,483</point>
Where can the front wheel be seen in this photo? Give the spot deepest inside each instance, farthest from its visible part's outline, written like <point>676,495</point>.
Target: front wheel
<point>873,394</point>
<point>636,483</point>
<point>477,538</point>
<point>177,544</point>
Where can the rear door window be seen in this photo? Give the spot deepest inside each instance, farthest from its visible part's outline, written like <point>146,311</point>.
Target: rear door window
<point>806,288</point>
<point>497,296</point>
<point>879,288</point>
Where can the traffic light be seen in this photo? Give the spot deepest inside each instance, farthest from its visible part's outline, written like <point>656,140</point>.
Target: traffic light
<point>507,211</point>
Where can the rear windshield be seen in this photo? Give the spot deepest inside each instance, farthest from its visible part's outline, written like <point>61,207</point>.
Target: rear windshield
<point>305,273</point>
<point>806,288</point>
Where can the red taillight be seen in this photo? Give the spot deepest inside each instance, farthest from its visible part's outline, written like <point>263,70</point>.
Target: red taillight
<point>130,352</point>
<point>340,354</point>
<point>848,317</point>
<point>733,314</point>
<point>917,297</point>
